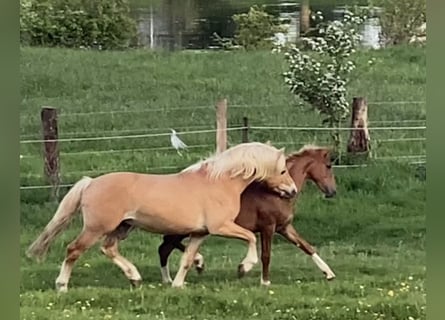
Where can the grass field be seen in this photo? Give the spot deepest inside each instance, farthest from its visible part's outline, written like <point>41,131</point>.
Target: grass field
<point>372,234</point>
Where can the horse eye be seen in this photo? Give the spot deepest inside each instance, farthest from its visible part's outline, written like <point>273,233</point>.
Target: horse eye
<point>329,166</point>
<point>283,172</point>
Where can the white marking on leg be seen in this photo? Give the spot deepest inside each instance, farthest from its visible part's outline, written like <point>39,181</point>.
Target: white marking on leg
<point>165,273</point>
<point>187,260</point>
<point>129,269</point>
<point>251,258</point>
<point>64,277</point>
<point>323,266</point>
<point>178,282</point>
<point>199,260</point>
<point>265,282</point>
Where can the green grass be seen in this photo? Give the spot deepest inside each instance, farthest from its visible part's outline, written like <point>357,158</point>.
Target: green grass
<point>372,234</point>
<point>82,82</point>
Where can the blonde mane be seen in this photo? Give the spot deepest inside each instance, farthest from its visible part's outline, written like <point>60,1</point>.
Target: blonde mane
<point>249,160</point>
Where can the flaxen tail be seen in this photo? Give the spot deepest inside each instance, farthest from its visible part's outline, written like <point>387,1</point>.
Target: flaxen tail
<point>66,210</point>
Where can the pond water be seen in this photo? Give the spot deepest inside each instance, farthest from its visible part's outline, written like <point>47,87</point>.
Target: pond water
<point>190,24</point>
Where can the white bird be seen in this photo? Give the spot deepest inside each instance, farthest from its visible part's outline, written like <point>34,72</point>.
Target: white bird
<point>176,142</point>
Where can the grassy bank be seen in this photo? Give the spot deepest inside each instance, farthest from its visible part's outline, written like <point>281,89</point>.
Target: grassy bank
<point>372,234</point>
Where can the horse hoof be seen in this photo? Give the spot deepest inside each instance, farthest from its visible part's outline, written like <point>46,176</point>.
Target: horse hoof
<point>178,286</point>
<point>136,283</point>
<point>200,269</point>
<point>61,287</point>
<point>265,282</point>
<point>241,271</point>
<point>330,276</point>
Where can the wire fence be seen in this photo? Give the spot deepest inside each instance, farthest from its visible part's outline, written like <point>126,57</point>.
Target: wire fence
<point>399,125</point>
<point>135,136</point>
<point>332,129</point>
<point>212,107</point>
<point>151,135</point>
<point>70,134</point>
<point>99,152</point>
<point>124,131</point>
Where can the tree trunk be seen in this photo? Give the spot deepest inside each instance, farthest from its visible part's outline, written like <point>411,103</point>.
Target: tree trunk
<point>305,13</point>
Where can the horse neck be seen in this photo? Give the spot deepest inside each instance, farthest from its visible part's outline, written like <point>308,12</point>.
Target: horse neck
<point>299,170</point>
<point>240,183</point>
<point>235,184</point>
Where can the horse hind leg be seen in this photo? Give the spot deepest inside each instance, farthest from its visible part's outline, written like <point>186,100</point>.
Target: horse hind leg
<point>110,249</point>
<point>187,259</point>
<point>168,244</point>
<point>266,244</point>
<point>85,240</point>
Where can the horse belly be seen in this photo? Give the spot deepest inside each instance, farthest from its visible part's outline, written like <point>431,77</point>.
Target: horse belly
<point>167,222</point>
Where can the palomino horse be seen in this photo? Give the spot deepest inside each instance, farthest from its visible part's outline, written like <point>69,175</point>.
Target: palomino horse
<point>266,213</point>
<point>202,199</point>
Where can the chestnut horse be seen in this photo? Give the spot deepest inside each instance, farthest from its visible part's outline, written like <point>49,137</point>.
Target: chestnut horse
<point>267,213</point>
<point>202,199</point>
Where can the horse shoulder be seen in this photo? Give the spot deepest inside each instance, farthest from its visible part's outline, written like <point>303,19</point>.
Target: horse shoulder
<point>247,216</point>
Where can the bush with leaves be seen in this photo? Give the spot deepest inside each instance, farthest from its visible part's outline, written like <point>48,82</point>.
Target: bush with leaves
<point>103,24</point>
<point>319,72</point>
<point>401,20</point>
<point>256,29</point>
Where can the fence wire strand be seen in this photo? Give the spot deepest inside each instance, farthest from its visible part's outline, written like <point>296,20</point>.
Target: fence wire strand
<point>135,136</point>
<point>212,107</point>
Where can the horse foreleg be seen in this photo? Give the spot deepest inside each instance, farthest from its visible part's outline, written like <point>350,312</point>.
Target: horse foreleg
<point>232,230</point>
<point>187,259</point>
<point>266,243</point>
<point>292,236</point>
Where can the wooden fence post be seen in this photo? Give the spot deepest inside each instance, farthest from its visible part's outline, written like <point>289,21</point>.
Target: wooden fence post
<point>245,130</point>
<point>305,13</point>
<point>51,149</point>
<point>359,138</point>
<point>221,125</point>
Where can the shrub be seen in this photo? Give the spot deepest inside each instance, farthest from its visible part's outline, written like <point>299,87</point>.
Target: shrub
<point>320,76</point>
<point>102,24</point>
<point>255,29</point>
<point>401,19</point>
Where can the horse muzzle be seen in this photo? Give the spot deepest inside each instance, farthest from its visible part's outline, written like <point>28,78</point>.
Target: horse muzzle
<point>329,193</point>
<point>286,192</point>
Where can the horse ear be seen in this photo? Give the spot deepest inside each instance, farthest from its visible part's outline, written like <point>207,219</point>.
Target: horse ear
<point>268,143</point>
<point>281,151</point>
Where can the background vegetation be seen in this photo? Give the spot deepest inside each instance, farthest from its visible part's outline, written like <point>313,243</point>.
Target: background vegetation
<point>372,234</point>
<point>99,24</point>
